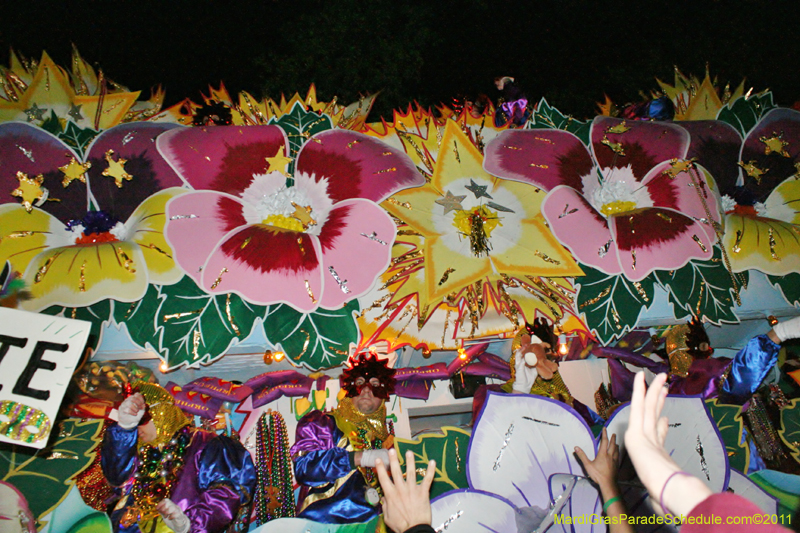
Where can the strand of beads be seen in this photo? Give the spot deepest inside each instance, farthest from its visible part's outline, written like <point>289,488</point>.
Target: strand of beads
<point>156,475</point>
<point>274,495</point>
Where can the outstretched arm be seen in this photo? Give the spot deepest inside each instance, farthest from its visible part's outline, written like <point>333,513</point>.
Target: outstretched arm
<point>603,471</point>
<point>677,491</point>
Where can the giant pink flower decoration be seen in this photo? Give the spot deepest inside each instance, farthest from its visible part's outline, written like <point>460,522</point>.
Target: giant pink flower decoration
<point>320,242</point>
<point>628,204</point>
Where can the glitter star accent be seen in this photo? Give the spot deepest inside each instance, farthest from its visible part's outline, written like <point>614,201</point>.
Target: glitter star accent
<point>679,165</point>
<point>752,170</point>
<point>478,190</point>
<point>75,112</point>
<point>451,202</point>
<point>775,144</point>
<point>34,112</point>
<point>30,190</point>
<point>278,162</point>
<point>74,171</point>
<point>116,169</point>
<point>617,148</point>
<point>619,128</point>
<point>796,174</point>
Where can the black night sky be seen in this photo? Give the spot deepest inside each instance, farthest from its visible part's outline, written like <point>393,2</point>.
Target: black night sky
<point>570,51</point>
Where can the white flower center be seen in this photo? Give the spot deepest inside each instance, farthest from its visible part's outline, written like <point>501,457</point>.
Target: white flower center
<point>618,192</point>
<point>302,208</point>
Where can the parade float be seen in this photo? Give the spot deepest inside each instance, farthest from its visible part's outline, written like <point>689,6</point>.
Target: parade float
<point>239,251</point>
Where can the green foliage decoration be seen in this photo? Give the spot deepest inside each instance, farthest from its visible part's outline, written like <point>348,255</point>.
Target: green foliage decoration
<point>745,112</point>
<point>728,419</point>
<point>611,304</point>
<point>186,325</point>
<point>46,476</point>
<point>317,340</point>
<point>448,449</point>
<point>703,289</point>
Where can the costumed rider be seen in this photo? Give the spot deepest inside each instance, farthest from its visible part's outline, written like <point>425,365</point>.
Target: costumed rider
<point>532,370</point>
<point>169,474</point>
<point>334,453</point>
<point>694,371</point>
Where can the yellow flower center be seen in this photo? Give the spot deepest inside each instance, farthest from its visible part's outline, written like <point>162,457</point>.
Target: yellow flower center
<point>464,221</point>
<point>616,207</point>
<point>282,221</point>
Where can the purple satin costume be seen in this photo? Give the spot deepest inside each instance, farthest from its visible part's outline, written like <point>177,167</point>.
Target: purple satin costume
<point>319,463</point>
<point>217,477</point>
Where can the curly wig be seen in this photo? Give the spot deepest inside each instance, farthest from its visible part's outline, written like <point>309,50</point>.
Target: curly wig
<point>368,366</point>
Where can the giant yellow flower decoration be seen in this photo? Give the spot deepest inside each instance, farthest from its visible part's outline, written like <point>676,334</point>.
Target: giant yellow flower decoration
<point>467,237</point>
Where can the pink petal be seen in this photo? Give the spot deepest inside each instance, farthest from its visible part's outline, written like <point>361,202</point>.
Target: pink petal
<point>136,143</point>
<point>580,228</point>
<point>660,239</point>
<point>680,194</point>
<point>359,253</point>
<point>221,158</point>
<point>33,151</point>
<point>645,145</point>
<point>357,166</point>
<point>545,158</point>
<point>267,265</point>
<point>196,223</point>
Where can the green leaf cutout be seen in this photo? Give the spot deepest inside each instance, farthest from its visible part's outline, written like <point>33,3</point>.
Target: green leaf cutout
<point>744,113</point>
<point>703,289</point>
<point>46,476</point>
<point>51,124</point>
<point>299,125</point>
<point>728,419</point>
<point>78,139</point>
<point>317,340</point>
<point>612,304</point>
<point>186,325</point>
<point>789,286</point>
<point>448,448</point>
<point>790,428</point>
<point>98,314</point>
<point>546,116</point>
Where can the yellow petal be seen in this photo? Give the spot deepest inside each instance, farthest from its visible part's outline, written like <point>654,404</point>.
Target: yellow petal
<point>147,230</point>
<point>764,244</point>
<point>24,234</point>
<point>81,275</point>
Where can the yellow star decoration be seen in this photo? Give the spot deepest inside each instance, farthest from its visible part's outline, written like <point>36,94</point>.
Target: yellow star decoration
<point>116,169</point>
<point>752,170</point>
<point>278,162</point>
<point>74,171</point>
<point>679,165</point>
<point>30,190</point>
<point>775,144</point>
<point>424,216</point>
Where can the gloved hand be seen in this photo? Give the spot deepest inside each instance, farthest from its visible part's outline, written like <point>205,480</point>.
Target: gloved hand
<point>524,374</point>
<point>368,457</point>
<point>173,516</point>
<point>789,329</point>
<point>131,411</point>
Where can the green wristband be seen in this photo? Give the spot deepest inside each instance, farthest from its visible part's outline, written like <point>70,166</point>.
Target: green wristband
<point>610,502</point>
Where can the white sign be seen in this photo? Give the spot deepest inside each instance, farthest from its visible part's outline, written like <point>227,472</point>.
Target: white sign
<point>38,354</point>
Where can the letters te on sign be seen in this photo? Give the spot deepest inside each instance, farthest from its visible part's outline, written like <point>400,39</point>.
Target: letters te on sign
<point>38,354</point>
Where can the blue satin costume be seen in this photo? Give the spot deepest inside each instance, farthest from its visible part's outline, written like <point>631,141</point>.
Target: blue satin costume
<point>334,490</point>
<point>750,366</point>
<point>217,477</point>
